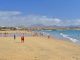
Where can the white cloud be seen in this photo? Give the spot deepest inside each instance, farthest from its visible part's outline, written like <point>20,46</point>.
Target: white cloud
<point>9,13</point>
<point>16,18</point>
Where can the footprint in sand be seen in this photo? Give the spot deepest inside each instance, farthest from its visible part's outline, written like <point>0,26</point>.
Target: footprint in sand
<point>36,58</point>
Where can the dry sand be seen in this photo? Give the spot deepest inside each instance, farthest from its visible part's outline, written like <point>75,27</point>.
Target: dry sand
<point>38,48</point>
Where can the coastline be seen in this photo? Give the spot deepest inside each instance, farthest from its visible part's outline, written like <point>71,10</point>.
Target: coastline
<point>60,36</point>
<point>37,48</point>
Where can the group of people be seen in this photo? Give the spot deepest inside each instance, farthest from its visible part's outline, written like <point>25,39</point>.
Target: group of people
<point>22,38</point>
<point>42,34</point>
<point>14,35</point>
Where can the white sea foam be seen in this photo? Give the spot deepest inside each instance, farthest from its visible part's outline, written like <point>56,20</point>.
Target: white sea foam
<point>44,33</point>
<point>70,38</point>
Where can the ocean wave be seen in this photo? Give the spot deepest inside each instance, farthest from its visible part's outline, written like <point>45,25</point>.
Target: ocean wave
<point>70,38</point>
<point>44,33</point>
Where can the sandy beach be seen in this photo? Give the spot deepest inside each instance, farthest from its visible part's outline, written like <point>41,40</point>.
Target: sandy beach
<point>37,48</point>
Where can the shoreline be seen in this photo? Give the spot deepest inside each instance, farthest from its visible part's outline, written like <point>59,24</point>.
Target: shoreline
<point>38,34</point>
<point>64,37</point>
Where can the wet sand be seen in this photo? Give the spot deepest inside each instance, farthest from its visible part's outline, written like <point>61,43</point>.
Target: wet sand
<point>37,48</point>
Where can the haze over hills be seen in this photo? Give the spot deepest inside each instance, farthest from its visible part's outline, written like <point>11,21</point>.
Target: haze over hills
<point>44,26</point>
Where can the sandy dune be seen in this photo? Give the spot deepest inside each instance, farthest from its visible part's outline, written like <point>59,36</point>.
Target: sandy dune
<point>38,48</point>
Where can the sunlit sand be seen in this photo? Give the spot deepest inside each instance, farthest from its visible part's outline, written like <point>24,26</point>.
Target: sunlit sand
<point>37,48</point>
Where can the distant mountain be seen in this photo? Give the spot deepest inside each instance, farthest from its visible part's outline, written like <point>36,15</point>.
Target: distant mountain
<point>37,25</point>
<point>48,27</point>
<point>41,26</point>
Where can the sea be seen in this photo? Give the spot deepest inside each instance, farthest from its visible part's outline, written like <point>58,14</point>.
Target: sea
<point>71,35</point>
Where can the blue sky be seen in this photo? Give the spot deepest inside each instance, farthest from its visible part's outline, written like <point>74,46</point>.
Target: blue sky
<point>24,12</point>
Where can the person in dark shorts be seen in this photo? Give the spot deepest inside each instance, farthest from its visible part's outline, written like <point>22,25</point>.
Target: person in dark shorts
<point>14,36</point>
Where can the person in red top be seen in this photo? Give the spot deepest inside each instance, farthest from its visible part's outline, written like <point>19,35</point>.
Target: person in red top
<point>22,39</point>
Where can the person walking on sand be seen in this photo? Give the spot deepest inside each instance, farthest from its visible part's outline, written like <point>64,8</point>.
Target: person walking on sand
<point>22,39</point>
<point>48,36</point>
<point>14,36</point>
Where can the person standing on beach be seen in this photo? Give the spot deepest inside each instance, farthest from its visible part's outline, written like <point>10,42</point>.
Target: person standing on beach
<point>14,36</point>
<point>48,36</point>
<point>22,39</point>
